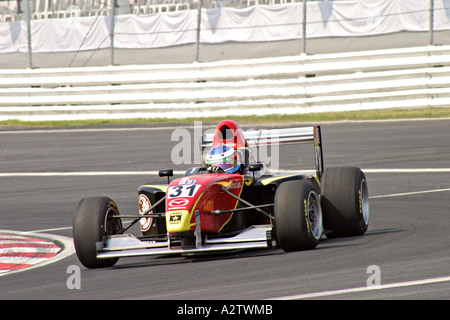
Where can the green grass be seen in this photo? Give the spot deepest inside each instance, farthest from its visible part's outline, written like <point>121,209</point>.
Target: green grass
<point>309,118</point>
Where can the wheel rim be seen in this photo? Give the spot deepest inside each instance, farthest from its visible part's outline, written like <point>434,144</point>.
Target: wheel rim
<point>314,215</point>
<point>364,201</point>
<point>112,225</point>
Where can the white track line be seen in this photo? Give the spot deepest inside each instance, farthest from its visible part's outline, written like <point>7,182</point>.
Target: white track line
<point>409,193</point>
<point>76,130</point>
<point>52,229</point>
<point>412,170</point>
<point>364,289</point>
<point>81,174</point>
<point>180,172</point>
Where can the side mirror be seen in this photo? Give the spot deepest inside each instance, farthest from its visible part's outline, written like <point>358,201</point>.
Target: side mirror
<point>166,173</point>
<point>252,167</point>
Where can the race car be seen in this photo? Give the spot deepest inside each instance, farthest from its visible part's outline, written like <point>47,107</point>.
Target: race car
<point>230,202</point>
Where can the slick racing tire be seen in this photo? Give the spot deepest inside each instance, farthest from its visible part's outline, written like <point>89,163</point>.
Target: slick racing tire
<point>92,221</point>
<point>298,216</point>
<point>345,202</point>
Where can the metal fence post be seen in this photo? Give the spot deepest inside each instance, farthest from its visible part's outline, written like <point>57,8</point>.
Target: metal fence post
<point>199,22</point>
<point>304,28</point>
<point>113,13</point>
<point>431,31</point>
<point>30,49</point>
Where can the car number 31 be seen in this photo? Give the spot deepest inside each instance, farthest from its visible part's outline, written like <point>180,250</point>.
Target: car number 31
<point>183,191</point>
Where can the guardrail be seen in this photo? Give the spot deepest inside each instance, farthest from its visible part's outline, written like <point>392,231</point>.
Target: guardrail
<point>395,78</point>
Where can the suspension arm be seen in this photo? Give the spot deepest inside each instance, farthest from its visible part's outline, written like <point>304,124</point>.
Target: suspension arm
<point>144,215</point>
<point>257,208</point>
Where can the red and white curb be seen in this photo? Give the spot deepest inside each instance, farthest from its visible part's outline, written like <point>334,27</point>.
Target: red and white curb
<point>21,251</point>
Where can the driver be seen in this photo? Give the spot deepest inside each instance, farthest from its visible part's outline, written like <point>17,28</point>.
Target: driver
<point>222,158</point>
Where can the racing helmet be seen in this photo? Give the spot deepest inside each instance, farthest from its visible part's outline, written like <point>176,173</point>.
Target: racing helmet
<point>224,157</point>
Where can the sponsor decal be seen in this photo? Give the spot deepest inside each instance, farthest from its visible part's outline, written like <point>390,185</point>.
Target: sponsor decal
<point>235,185</point>
<point>175,217</point>
<point>187,181</point>
<point>178,202</point>
<point>231,185</point>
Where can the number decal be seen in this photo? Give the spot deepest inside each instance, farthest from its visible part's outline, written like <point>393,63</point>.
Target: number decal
<point>183,191</point>
<point>175,191</point>
<point>192,190</point>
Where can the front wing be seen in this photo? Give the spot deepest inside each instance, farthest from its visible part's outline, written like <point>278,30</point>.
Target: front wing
<point>127,245</point>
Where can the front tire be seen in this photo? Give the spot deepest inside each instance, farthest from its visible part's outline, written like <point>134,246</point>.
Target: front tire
<point>345,202</point>
<point>298,216</point>
<point>92,221</point>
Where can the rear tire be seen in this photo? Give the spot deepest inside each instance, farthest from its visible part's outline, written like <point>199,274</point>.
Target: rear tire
<point>92,221</point>
<point>298,216</point>
<point>345,202</point>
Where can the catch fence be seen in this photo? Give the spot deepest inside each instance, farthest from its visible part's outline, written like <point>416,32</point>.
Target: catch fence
<point>66,33</point>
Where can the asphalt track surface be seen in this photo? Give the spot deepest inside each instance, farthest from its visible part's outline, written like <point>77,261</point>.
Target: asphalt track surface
<point>408,238</point>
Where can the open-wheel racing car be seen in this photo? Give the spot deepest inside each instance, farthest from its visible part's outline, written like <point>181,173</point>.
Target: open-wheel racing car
<point>230,202</point>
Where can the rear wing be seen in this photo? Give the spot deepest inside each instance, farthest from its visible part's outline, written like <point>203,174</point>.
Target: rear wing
<point>279,136</point>
<point>264,137</point>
